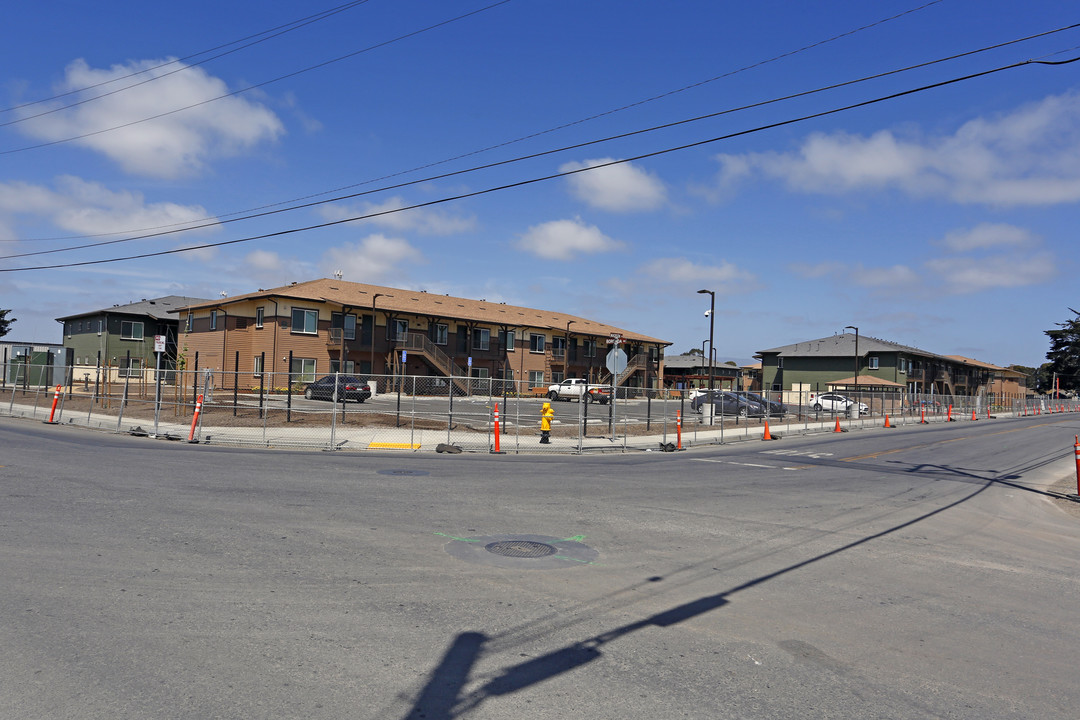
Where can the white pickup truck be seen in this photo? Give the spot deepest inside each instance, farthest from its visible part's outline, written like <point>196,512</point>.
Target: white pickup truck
<point>577,388</point>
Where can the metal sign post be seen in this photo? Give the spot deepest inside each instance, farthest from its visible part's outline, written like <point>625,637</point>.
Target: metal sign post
<point>159,347</point>
<point>615,363</point>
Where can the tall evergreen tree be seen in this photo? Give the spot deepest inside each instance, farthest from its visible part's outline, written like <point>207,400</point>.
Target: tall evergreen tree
<point>1064,354</point>
<point>5,323</point>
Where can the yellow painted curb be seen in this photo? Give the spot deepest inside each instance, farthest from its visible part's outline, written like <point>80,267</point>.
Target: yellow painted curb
<point>395,446</point>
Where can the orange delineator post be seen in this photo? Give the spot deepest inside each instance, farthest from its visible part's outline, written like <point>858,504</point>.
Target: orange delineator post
<point>678,429</point>
<point>923,420</point>
<point>55,400</point>
<point>950,414</point>
<point>1076,451</point>
<point>496,428</point>
<point>195,418</point>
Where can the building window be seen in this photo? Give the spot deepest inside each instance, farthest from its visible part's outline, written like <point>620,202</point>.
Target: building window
<point>67,327</point>
<point>100,326</point>
<point>132,369</point>
<point>776,387</point>
<point>213,319</point>
<point>347,322</point>
<point>131,330</point>
<point>558,347</point>
<point>190,322</point>
<point>335,366</point>
<point>873,363</point>
<point>481,339</point>
<point>779,363</point>
<point>536,377</point>
<point>401,330</point>
<point>557,376</point>
<point>536,342</point>
<point>260,314</point>
<point>590,348</point>
<point>303,370</point>
<point>506,339</point>
<point>903,366</point>
<point>305,322</point>
<point>257,366</point>
<point>482,373</point>
<point>442,331</point>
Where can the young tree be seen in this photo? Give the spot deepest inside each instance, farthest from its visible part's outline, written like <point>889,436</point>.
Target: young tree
<point>1064,353</point>
<point>5,323</point>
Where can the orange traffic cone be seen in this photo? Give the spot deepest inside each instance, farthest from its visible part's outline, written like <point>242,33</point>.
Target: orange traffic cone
<point>767,435</point>
<point>887,422</point>
<point>973,415</point>
<point>838,426</point>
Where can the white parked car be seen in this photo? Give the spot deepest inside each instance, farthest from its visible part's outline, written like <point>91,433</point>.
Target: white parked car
<point>834,403</point>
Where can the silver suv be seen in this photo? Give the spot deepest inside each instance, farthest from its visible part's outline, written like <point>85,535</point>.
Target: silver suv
<point>834,403</point>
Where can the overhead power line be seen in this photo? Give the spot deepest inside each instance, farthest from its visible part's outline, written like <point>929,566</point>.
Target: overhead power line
<point>212,222</point>
<point>216,218</point>
<point>263,36</point>
<point>545,178</point>
<point>251,87</point>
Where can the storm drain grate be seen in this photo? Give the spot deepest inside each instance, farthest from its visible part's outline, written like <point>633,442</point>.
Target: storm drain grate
<point>520,549</point>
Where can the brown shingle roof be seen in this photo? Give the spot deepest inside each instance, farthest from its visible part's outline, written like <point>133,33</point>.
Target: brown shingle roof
<point>359,296</point>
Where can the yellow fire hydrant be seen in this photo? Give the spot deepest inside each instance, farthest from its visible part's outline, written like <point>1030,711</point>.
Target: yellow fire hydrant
<point>546,415</point>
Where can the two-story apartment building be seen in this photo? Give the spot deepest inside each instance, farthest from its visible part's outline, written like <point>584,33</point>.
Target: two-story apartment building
<point>330,325</point>
<point>834,363</point>
<point>119,340</point>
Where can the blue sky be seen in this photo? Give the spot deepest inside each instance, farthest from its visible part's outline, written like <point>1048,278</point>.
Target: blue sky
<point>942,218</point>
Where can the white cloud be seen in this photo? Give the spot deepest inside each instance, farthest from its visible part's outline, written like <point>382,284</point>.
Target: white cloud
<point>565,240</point>
<point>617,188</point>
<point>426,221</point>
<point>89,208</point>
<point>965,275</point>
<point>1030,156</point>
<point>988,235</point>
<point>171,146</point>
<point>375,259</point>
<point>722,278</point>
<point>883,278</point>
<point>264,260</point>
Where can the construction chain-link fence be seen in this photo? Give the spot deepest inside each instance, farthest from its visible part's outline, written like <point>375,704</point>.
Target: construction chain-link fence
<point>406,412</point>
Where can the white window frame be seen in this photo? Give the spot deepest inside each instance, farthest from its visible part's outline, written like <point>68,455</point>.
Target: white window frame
<point>442,333</point>
<point>213,319</point>
<point>481,339</point>
<point>590,348</point>
<point>536,378</point>
<point>401,330</point>
<point>873,363</point>
<point>260,317</point>
<point>306,373</point>
<point>537,342</point>
<point>350,367</point>
<point>190,322</point>
<point>307,314</point>
<point>131,325</point>
<point>779,363</point>
<point>256,366</point>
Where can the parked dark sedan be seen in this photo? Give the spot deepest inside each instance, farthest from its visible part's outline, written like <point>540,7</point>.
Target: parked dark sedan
<point>775,408</point>
<point>728,403</point>
<point>349,388</point>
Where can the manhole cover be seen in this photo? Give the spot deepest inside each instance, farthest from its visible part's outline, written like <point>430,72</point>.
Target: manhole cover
<point>523,552</point>
<point>403,472</point>
<point>520,549</point>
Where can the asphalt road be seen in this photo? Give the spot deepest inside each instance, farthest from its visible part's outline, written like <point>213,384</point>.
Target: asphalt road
<point>911,573</point>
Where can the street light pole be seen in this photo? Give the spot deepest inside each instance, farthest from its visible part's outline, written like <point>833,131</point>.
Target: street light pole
<point>852,327</point>
<point>371,361</point>
<point>712,316</point>
<point>566,352</point>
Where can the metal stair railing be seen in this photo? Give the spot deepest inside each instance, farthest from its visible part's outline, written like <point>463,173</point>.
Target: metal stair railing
<point>417,342</point>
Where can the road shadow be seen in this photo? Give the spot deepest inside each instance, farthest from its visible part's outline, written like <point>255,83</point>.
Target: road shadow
<point>444,695</point>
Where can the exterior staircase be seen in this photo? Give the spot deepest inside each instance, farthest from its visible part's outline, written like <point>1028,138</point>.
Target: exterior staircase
<point>420,344</point>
